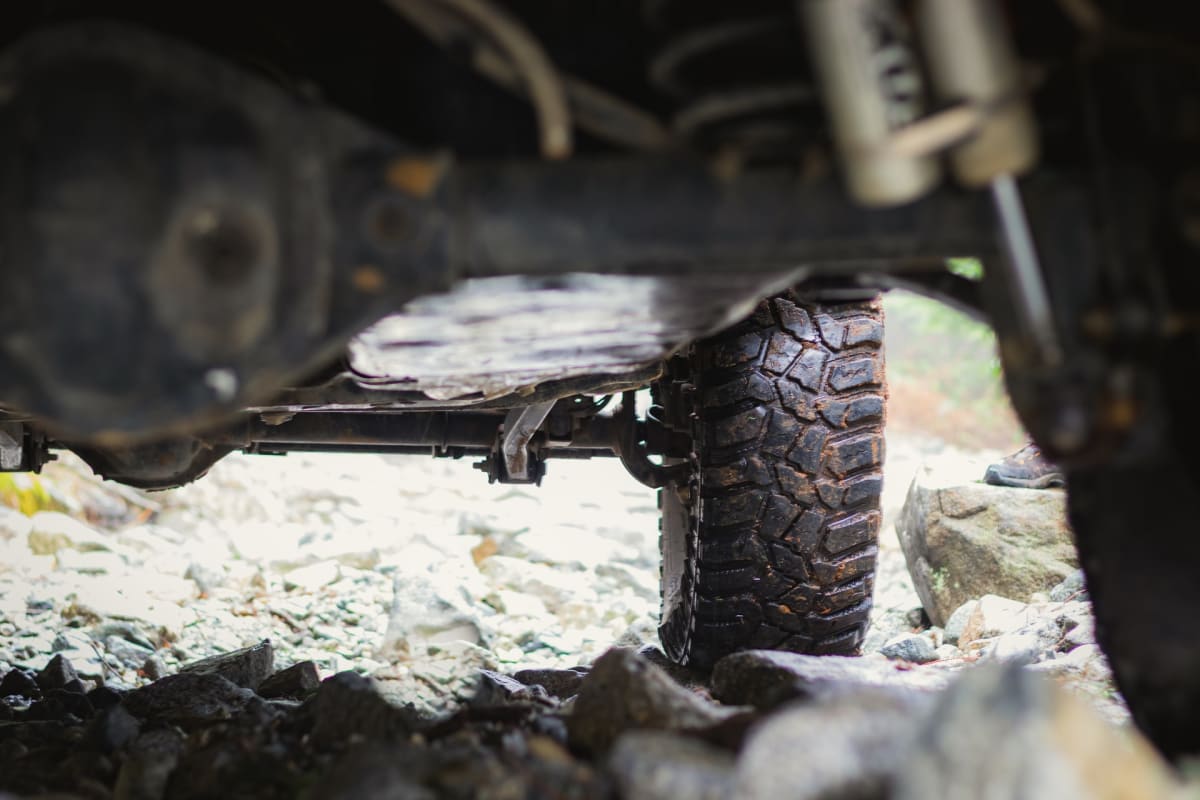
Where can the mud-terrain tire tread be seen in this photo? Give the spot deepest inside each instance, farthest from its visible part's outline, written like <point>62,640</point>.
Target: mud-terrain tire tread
<point>788,413</point>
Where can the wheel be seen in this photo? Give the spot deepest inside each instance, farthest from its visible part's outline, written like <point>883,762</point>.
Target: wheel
<point>772,543</point>
<point>1135,529</point>
<point>1145,595</point>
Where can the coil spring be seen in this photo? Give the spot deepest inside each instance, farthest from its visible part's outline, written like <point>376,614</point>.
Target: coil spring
<point>737,74</point>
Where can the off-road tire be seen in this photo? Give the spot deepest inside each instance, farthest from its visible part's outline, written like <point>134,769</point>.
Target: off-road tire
<point>1135,528</point>
<point>1146,596</point>
<point>773,542</point>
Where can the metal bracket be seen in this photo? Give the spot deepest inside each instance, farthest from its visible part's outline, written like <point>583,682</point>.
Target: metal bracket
<point>512,461</point>
<point>21,450</point>
<point>633,453</point>
<point>519,427</point>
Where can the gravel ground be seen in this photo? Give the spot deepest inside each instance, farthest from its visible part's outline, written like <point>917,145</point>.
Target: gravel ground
<point>415,571</point>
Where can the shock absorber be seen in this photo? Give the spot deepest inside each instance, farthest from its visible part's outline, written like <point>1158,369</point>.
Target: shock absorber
<point>873,90</point>
<point>872,87</point>
<point>971,61</point>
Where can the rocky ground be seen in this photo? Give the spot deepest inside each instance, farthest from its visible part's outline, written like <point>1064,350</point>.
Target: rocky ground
<point>443,639</point>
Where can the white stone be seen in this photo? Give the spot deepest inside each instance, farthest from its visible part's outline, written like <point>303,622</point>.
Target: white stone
<point>14,524</point>
<point>995,616</point>
<point>1018,648</point>
<point>52,531</point>
<point>313,577</point>
<point>94,562</point>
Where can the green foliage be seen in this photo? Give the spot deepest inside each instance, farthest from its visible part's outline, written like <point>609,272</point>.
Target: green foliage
<point>969,268</point>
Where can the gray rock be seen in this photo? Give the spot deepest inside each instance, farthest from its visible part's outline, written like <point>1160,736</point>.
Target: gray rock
<point>626,692</point>
<point>495,689</point>
<point>154,668</point>
<point>347,704</point>
<point>1004,732</point>
<point>841,747</point>
<point>20,683</point>
<point>559,683</point>
<point>655,765</point>
<point>968,540</point>
<point>105,697</point>
<point>1073,587</point>
<point>910,647</point>
<point>766,678</point>
<point>189,699</point>
<point>247,667</point>
<point>112,729</point>
<point>131,655</point>
<point>957,621</point>
<point>147,768</point>
<point>917,618</point>
<point>372,772</point>
<point>296,681</point>
<point>57,673</point>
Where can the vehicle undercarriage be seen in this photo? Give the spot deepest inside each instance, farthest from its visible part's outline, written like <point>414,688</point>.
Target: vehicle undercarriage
<point>450,226</point>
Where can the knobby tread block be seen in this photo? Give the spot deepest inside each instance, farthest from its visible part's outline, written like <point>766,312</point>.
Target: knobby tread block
<point>788,442</point>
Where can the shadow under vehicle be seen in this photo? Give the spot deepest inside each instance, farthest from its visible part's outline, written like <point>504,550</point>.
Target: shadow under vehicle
<point>454,227</point>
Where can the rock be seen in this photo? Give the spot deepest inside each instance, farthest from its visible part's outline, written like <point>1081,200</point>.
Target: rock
<point>1086,661</point>
<point>424,612</point>
<point>910,647</point>
<point>57,673</point>
<point>1073,587</point>
<point>247,667</point>
<point>654,765</point>
<point>625,692</point>
<point>1015,648</point>
<point>296,681</point>
<point>189,699</point>
<point>104,697</point>
<point>154,668</point>
<point>14,524</point>
<point>765,678</point>
<point>313,577</point>
<point>558,683</point>
<point>948,652</point>
<point>51,531</point>
<point>851,744</point>
<point>92,562</point>
<point>957,621</point>
<point>917,618</point>
<point>58,704</point>
<point>497,690</point>
<point>1082,633</point>
<point>968,540</point>
<point>347,704</point>
<point>1007,732</point>
<point>146,770</point>
<point>131,655</point>
<point>372,771</point>
<point>995,616</point>
<point>20,683</point>
<point>112,729</point>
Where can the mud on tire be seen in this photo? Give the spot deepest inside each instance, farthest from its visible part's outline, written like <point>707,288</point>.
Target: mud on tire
<point>773,542</point>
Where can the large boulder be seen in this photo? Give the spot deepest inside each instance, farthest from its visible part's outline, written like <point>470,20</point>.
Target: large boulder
<point>966,540</point>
